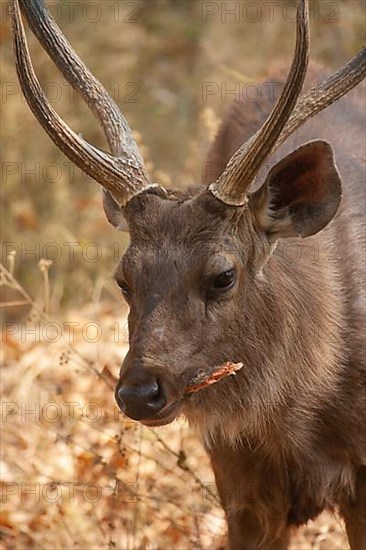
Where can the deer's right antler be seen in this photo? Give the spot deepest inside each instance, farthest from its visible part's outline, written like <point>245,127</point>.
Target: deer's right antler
<point>122,173</point>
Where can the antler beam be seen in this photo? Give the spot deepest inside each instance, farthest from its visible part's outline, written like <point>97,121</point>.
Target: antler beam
<point>232,186</point>
<point>123,173</point>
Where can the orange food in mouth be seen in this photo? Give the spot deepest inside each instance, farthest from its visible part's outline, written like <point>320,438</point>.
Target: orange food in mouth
<point>206,378</point>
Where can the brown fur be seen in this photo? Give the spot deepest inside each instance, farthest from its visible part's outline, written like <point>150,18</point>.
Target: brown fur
<point>287,435</point>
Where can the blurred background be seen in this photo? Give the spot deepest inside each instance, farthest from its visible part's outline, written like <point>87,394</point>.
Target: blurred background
<point>173,67</point>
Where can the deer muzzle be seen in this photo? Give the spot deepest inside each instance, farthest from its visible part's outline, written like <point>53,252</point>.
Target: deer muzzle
<point>144,394</point>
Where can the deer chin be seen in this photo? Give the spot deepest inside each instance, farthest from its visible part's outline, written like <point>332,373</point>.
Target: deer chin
<point>165,416</point>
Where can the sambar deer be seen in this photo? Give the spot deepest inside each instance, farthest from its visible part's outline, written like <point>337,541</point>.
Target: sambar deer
<point>222,273</point>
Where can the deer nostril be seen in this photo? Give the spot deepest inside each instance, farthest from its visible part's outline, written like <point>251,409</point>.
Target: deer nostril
<point>141,401</point>
<point>157,393</point>
<point>154,390</point>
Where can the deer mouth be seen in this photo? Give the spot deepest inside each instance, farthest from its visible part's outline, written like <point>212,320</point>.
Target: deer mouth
<point>165,416</point>
<point>203,378</point>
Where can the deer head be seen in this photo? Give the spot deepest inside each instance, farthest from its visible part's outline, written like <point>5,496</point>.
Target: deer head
<point>192,272</point>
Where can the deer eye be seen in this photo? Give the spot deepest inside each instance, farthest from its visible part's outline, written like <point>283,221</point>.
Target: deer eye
<point>125,289</point>
<point>222,282</point>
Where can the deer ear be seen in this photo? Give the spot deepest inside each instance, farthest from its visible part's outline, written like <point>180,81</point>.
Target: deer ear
<point>301,193</point>
<point>113,212</point>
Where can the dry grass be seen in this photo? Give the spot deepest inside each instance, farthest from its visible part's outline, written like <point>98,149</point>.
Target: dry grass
<point>69,479</point>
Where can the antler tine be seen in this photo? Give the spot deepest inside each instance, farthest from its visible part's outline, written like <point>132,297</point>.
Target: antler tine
<point>81,79</point>
<point>322,95</point>
<point>232,185</point>
<point>123,175</point>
